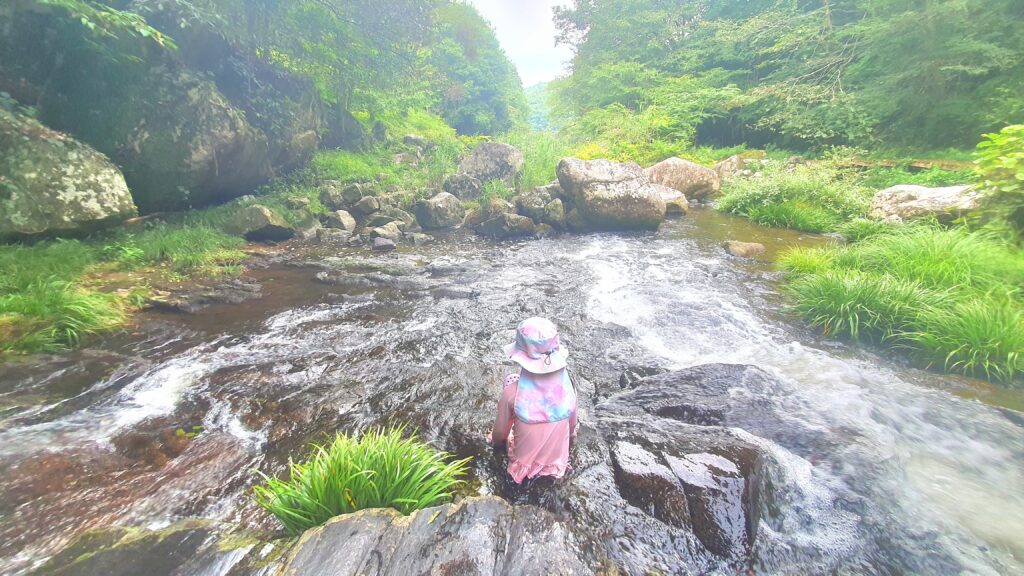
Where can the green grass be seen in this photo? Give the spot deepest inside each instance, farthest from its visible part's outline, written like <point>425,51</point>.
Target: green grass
<point>950,297</point>
<point>47,304</point>
<point>542,152</point>
<point>881,177</point>
<point>380,469</point>
<point>812,198</point>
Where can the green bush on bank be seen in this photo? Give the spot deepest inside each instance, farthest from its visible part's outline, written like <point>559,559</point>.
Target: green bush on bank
<point>380,469</point>
<point>810,198</point>
<point>949,296</point>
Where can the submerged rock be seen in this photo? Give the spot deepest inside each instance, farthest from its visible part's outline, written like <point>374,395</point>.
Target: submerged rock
<point>493,161</point>
<point>52,184</point>
<point>441,211</point>
<point>483,536</point>
<point>744,249</point>
<point>910,202</point>
<point>694,181</point>
<point>610,196</point>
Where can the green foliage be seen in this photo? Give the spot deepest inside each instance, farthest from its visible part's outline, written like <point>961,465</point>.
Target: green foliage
<point>862,228</point>
<point>49,302</point>
<point>103,20</point>
<point>882,177</point>
<point>1000,161</point>
<point>380,469</point>
<point>480,90</point>
<point>541,151</point>
<point>812,198</point>
<point>808,74</point>
<point>949,296</point>
<point>496,189</point>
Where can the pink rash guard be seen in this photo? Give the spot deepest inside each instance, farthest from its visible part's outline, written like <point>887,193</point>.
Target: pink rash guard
<point>540,449</point>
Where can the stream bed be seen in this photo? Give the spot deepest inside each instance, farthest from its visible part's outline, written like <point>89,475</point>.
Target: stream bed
<point>870,466</point>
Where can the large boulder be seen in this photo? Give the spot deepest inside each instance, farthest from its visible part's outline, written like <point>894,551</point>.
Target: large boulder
<point>493,161</point>
<point>482,536</point>
<point>179,140</point>
<point>910,202</point>
<point>441,211</point>
<point>608,195</point>
<point>695,181</point>
<point>52,184</point>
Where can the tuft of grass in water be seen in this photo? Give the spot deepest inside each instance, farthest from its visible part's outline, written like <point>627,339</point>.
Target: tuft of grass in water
<point>380,469</point>
<point>795,215</point>
<point>862,228</point>
<point>950,297</point>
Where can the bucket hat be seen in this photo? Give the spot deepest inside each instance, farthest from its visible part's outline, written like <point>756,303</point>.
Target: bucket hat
<point>537,348</point>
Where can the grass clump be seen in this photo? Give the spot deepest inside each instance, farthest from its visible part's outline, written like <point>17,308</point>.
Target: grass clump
<point>815,198</point>
<point>541,151</point>
<point>950,297</point>
<point>380,469</point>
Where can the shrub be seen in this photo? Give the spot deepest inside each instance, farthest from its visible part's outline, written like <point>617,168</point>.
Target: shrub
<point>810,198</point>
<point>380,469</point>
<point>1000,161</point>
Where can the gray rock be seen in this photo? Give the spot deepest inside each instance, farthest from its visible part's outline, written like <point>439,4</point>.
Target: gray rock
<point>463,186</point>
<point>543,231</point>
<point>731,167</point>
<point>330,195</point>
<point>381,244</point>
<point>610,196</point>
<point>442,211</point>
<point>352,194</point>
<point>388,231</point>
<point>258,223</point>
<point>406,221</point>
<point>366,206</point>
<point>195,299</point>
<point>493,161</point>
<point>308,227</point>
<point>333,236</point>
<point>508,226</point>
<point>676,203</point>
<point>910,202</point>
<point>532,204</point>
<point>480,536</point>
<point>744,249</point>
<point>419,239</point>
<point>341,220</point>
<point>554,214</point>
<point>696,182</point>
<point>52,184</point>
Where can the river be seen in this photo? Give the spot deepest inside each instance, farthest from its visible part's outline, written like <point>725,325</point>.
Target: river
<point>880,468</point>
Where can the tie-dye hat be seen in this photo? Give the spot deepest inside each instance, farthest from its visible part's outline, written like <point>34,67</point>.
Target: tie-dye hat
<point>537,348</point>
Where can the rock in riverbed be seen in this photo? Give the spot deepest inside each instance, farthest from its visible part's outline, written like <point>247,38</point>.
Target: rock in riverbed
<point>610,196</point>
<point>744,249</point>
<point>910,202</point>
<point>691,179</point>
<point>441,211</point>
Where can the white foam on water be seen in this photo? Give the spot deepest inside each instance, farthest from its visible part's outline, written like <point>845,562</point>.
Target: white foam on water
<point>956,463</point>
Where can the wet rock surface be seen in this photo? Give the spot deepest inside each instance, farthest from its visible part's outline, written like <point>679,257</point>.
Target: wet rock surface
<point>711,469</point>
<point>476,536</point>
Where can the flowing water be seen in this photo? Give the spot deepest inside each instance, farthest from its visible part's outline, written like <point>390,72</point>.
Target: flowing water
<point>882,468</point>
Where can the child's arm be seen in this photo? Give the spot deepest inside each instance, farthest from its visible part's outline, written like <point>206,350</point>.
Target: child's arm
<point>503,423</point>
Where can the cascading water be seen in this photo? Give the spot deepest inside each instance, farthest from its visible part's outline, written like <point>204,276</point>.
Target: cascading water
<point>876,468</point>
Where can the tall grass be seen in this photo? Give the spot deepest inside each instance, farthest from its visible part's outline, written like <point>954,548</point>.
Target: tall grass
<point>380,469</point>
<point>541,152</point>
<point>949,296</point>
<point>814,198</point>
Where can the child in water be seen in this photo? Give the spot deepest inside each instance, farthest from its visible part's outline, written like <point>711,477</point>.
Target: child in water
<point>537,409</point>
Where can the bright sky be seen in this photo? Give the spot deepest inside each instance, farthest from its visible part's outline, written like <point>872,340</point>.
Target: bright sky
<point>527,33</point>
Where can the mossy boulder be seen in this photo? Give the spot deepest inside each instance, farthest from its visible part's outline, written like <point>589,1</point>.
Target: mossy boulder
<point>52,184</point>
<point>179,141</point>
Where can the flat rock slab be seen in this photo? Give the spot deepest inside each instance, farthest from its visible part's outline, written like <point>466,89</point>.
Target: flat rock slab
<point>478,536</point>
